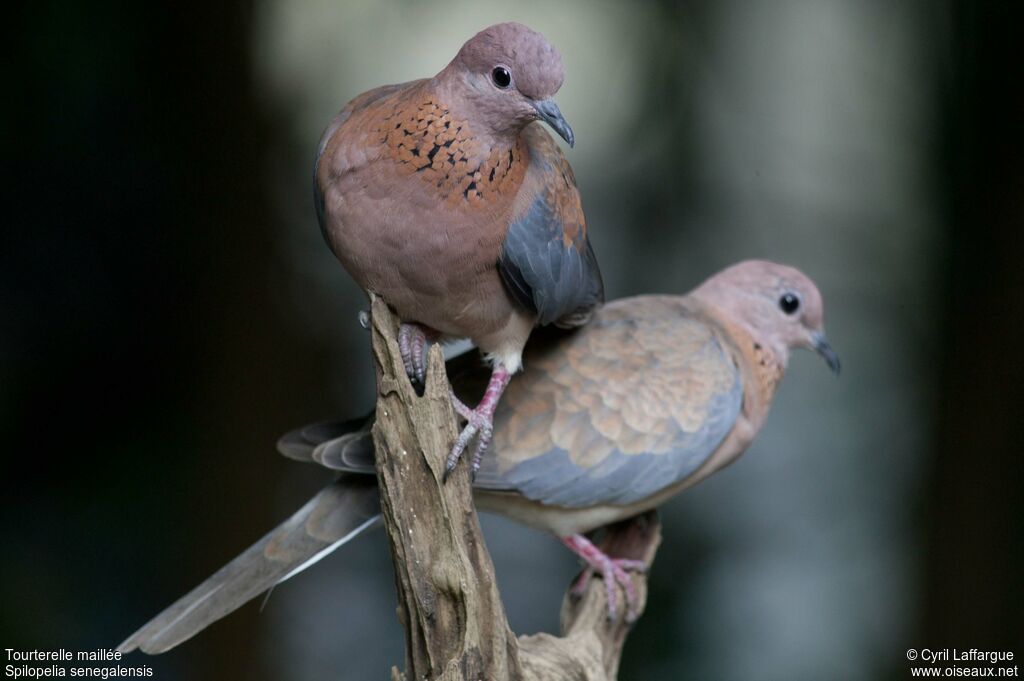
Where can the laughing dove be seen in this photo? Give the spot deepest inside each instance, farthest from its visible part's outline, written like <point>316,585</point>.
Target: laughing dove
<point>654,395</point>
<point>439,196</point>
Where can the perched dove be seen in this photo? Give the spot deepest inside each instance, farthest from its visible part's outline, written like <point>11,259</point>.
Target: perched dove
<point>651,397</point>
<point>439,196</point>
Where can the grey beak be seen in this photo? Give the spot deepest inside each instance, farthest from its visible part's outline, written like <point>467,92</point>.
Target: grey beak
<point>550,114</point>
<point>822,347</point>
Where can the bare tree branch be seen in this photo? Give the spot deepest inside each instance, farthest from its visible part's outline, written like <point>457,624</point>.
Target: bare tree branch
<point>448,600</point>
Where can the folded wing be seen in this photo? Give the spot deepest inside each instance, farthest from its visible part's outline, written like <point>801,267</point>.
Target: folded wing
<point>547,263</point>
<point>626,406</point>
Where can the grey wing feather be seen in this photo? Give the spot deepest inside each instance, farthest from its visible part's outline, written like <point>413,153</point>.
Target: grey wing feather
<point>353,453</point>
<point>547,262</point>
<point>348,445</point>
<point>300,443</point>
<point>337,514</point>
<point>338,445</point>
<point>621,479</point>
<point>560,282</point>
<point>553,477</point>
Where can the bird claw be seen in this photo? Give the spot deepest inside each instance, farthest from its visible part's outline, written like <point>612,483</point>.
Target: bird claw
<point>616,571</point>
<point>613,571</point>
<point>479,425</point>
<point>460,407</point>
<point>412,341</point>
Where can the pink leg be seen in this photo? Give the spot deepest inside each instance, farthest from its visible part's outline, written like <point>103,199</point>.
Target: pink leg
<point>460,407</point>
<point>479,421</point>
<point>612,571</point>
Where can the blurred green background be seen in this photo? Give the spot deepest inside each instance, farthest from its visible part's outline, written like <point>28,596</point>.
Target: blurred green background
<point>168,308</point>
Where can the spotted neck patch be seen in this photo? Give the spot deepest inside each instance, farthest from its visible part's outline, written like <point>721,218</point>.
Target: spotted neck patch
<point>426,140</point>
<point>768,368</point>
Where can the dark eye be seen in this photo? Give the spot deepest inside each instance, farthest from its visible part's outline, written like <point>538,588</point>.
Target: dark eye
<point>789,303</point>
<point>501,76</point>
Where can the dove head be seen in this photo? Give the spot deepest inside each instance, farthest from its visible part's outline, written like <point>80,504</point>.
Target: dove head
<point>778,305</point>
<point>509,73</point>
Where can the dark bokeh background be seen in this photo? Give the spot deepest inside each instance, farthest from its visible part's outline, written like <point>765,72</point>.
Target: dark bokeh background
<point>167,310</point>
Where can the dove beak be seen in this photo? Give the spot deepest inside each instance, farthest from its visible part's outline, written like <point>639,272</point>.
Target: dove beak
<point>552,115</point>
<point>821,346</point>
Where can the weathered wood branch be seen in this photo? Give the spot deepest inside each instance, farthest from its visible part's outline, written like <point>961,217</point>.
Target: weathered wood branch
<point>448,600</point>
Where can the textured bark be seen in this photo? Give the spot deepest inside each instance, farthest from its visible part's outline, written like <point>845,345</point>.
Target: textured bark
<point>448,601</point>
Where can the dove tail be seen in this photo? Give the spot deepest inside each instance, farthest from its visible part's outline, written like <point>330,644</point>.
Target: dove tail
<point>336,515</point>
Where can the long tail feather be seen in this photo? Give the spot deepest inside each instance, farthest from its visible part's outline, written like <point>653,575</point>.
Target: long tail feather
<point>337,514</point>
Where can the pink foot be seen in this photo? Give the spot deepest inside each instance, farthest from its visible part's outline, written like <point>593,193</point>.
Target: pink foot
<point>479,422</point>
<point>612,570</point>
<point>412,343</point>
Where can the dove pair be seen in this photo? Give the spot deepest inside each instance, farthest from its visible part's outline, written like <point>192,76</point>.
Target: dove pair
<point>444,198</point>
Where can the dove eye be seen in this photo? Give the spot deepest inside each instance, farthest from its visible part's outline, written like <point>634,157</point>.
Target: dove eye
<point>501,77</point>
<point>789,303</point>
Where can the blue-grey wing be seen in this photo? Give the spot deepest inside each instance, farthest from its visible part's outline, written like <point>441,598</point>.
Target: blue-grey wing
<point>547,262</point>
<point>628,405</point>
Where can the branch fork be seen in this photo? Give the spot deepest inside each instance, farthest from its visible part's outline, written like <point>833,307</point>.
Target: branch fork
<point>448,599</point>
